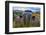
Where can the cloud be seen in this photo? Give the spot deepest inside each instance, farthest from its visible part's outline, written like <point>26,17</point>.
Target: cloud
<point>33,9</point>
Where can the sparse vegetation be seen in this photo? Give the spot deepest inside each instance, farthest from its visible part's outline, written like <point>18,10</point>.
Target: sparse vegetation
<point>23,22</point>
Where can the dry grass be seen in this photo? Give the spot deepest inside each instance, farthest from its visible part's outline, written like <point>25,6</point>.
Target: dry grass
<point>21,24</point>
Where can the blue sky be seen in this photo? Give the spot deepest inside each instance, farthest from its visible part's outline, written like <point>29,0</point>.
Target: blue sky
<point>33,9</point>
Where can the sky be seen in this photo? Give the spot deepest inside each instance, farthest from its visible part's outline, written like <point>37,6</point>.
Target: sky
<point>33,9</point>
